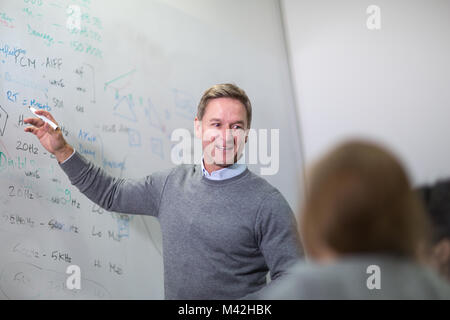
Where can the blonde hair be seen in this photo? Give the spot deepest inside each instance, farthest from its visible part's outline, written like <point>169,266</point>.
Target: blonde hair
<point>225,90</point>
<point>360,200</point>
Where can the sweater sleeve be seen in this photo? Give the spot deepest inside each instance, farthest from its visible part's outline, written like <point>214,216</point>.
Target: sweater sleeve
<point>278,239</point>
<point>142,196</point>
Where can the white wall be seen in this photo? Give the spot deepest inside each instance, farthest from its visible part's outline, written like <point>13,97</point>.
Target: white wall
<point>391,85</point>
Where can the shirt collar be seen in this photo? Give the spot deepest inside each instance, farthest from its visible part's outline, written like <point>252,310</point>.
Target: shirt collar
<point>226,173</point>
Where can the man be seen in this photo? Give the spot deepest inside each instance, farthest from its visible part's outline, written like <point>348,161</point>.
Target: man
<point>223,227</point>
<point>364,229</point>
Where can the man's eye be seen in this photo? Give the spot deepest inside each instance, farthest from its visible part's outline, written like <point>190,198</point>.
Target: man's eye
<point>237,127</point>
<point>216,124</point>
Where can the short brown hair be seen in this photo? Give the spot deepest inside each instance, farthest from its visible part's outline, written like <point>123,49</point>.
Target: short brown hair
<point>360,200</point>
<point>225,90</point>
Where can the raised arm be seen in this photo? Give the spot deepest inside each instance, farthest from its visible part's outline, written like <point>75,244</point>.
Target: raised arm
<point>121,195</point>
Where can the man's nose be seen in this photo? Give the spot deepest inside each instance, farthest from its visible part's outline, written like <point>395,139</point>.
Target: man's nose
<point>227,137</point>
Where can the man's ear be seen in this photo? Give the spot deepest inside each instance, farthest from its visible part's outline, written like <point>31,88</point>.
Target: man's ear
<point>246,135</point>
<point>198,128</point>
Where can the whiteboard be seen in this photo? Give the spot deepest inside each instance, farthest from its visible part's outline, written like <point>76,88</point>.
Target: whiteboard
<point>388,85</point>
<point>120,77</point>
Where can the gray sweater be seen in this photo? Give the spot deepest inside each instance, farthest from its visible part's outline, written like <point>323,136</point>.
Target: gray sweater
<point>347,278</point>
<point>220,238</point>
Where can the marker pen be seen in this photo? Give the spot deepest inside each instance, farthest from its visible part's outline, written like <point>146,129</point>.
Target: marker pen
<point>51,123</point>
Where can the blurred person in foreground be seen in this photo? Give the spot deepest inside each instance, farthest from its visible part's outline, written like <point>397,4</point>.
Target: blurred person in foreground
<point>364,231</point>
<point>437,203</point>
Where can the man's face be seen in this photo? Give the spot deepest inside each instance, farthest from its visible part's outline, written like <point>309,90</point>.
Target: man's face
<point>223,131</point>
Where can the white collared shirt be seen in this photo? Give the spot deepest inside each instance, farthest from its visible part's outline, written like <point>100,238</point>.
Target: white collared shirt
<point>226,173</point>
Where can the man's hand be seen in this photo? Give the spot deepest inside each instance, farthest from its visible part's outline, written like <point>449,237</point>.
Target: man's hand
<point>52,140</point>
